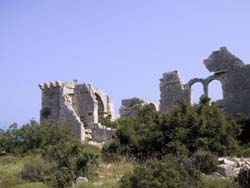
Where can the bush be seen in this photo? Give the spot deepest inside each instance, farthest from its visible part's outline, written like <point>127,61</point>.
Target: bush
<point>32,137</point>
<point>244,122</point>
<point>244,178</point>
<point>175,148</point>
<point>111,151</point>
<point>34,170</point>
<point>167,173</point>
<point>205,161</point>
<point>182,131</point>
<point>70,160</point>
<point>244,151</point>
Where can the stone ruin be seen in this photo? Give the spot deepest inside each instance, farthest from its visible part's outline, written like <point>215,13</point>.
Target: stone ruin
<point>81,105</point>
<point>130,106</point>
<point>228,69</point>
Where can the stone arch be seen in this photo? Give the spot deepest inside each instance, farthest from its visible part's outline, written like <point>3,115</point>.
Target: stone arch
<point>197,90</point>
<point>101,109</point>
<point>215,91</point>
<point>219,78</point>
<point>189,86</point>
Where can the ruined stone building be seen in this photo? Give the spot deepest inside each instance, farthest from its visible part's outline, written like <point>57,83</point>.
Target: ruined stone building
<point>228,69</point>
<point>81,105</point>
<point>130,106</point>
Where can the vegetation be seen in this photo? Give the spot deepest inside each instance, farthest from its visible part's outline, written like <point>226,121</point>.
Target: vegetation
<point>184,130</point>
<point>166,173</point>
<point>176,149</point>
<point>56,157</point>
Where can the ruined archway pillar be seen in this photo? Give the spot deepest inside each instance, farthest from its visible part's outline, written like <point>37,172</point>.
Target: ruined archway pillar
<point>205,87</point>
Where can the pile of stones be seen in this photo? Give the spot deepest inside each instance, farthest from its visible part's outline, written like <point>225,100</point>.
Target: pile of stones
<point>232,167</point>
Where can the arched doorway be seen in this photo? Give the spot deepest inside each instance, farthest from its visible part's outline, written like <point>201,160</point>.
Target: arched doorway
<point>197,90</point>
<point>100,105</point>
<point>215,92</point>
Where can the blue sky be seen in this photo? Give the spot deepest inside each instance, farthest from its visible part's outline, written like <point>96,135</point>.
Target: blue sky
<point>120,46</point>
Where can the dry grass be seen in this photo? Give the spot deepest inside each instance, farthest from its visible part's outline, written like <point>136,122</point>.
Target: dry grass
<point>11,165</point>
<point>109,174</point>
<point>10,173</point>
<point>113,171</point>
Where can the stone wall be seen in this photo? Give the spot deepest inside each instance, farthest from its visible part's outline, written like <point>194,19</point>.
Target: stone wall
<point>172,90</point>
<point>77,105</point>
<point>130,106</point>
<point>232,73</point>
<point>82,105</point>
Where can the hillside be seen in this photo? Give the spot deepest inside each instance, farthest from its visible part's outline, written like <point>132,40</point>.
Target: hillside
<point>177,149</point>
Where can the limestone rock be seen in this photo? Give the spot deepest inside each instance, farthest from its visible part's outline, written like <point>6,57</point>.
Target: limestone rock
<point>81,180</point>
<point>222,60</point>
<point>232,167</point>
<point>225,170</point>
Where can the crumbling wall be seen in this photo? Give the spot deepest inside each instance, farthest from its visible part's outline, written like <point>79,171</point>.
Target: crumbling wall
<point>233,75</point>
<point>57,100</point>
<point>130,106</point>
<point>172,90</point>
<point>222,60</point>
<point>50,101</point>
<point>235,80</point>
<point>85,104</point>
<point>77,104</point>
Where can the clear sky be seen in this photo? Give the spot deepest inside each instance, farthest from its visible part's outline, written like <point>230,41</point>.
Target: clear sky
<point>120,46</point>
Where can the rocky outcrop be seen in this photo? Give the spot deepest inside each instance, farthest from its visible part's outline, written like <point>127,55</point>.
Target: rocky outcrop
<point>222,60</point>
<point>231,167</point>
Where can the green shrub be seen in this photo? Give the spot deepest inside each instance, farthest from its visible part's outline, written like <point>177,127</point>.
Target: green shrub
<point>106,121</point>
<point>70,160</point>
<point>244,151</point>
<point>244,122</point>
<point>175,148</point>
<point>34,170</point>
<point>168,173</point>
<point>111,151</point>
<point>32,137</point>
<point>205,161</point>
<point>182,131</point>
<point>244,178</point>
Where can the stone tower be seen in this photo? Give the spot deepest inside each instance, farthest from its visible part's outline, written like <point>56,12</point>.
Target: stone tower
<point>80,105</point>
<point>172,90</point>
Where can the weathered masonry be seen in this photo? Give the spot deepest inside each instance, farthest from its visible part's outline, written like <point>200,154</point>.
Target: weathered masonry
<point>80,105</point>
<point>130,106</point>
<point>228,69</point>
